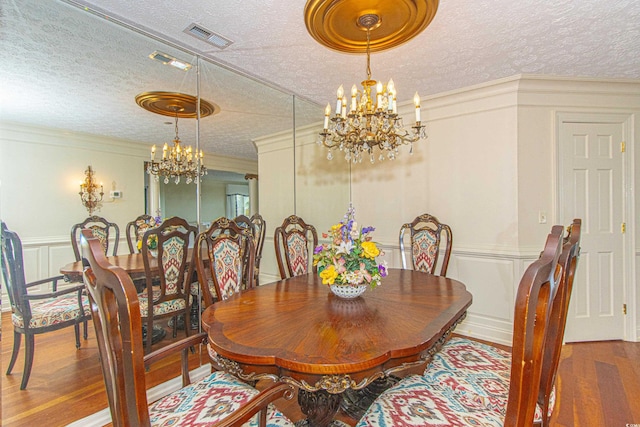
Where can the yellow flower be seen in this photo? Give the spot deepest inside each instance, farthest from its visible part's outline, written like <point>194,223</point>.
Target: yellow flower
<point>370,250</point>
<point>328,275</point>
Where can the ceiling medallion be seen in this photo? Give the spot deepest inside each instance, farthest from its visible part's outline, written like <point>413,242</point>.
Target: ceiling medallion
<point>364,121</point>
<point>177,161</point>
<point>336,23</point>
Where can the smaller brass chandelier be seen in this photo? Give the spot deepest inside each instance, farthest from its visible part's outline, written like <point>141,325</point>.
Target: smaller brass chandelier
<point>363,125</point>
<point>176,162</point>
<point>91,198</point>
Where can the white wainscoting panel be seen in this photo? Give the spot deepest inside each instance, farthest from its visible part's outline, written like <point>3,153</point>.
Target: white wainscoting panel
<point>492,282</point>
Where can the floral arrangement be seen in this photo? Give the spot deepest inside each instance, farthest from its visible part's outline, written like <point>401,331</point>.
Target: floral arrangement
<point>152,240</point>
<point>350,258</point>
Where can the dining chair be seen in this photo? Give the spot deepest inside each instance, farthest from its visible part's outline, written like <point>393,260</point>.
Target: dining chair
<point>471,387</point>
<point>167,274</point>
<point>102,229</point>
<point>224,258</point>
<point>426,234</point>
<point>219,399</point>
<point>294,240</point>
<point>136,229</point>
<point>494,383</point>
<point>34,311</point>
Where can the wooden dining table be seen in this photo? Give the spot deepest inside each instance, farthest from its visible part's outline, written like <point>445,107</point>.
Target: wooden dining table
<point>133,264</point>
<point>295,330</point>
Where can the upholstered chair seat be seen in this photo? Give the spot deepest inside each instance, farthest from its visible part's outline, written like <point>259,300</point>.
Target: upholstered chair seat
<point>481,370</point>
<point>53,311</point>
<point>209,401</point>
<point>416,402</point>
<point>160,308</point>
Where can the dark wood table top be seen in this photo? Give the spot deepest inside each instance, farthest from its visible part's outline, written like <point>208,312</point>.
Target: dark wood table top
<point>296,330</point>
<point>131,263</point>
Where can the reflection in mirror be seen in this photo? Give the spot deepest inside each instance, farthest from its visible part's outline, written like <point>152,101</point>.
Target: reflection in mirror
<point>69,81</point>
<point>68,101</point>
<point>216,188</point>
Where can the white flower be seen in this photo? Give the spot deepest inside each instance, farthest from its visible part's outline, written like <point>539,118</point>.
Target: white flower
<point>344,248</point>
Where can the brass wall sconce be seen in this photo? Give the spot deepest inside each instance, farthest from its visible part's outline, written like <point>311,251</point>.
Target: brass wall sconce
<point>91,198</point>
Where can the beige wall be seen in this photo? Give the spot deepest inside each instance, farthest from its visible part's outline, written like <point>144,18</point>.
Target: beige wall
<point>487,169</point>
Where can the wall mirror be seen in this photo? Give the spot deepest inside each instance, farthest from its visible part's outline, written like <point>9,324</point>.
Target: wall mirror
<point>70,78</point>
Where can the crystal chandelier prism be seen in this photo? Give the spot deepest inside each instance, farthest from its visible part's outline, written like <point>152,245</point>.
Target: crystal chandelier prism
<point>364,122</point>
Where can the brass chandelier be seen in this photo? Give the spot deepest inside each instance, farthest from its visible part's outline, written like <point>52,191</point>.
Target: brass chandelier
<point>177,161</point>
<point>361,122</point>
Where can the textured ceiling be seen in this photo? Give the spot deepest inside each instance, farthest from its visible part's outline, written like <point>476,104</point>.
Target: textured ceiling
<point>65,67</point>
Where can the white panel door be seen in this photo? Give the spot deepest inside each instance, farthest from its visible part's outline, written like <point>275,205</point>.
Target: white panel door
<point>592,189</point>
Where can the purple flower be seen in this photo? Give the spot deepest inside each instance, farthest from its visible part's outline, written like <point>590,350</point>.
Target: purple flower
<point>382,270</point>
<point>366,230</point>
<point>317,250</point>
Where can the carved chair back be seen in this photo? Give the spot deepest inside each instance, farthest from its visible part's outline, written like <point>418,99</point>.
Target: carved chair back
<point>536,295</point>
<point>171,296</point>
<point>558,317</point>
<point>294,240</point>
<point>224,255</point>
<point>116,317</point>
<point>426,234</point>
<point>102,229</point>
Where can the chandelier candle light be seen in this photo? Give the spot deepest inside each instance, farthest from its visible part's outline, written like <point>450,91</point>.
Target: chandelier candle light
<point>89,194</point>
<point>177,161</point>
<point>366,124</point>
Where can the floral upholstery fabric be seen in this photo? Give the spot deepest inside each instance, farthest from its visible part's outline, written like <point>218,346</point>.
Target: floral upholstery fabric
<point>466,383</point>
<point>209,401</point>
<point>52,311</point>
<point>173,250</point>
<point>424,250</point>
<point>161,308</point>
<point>298,253</point>
<point>227,267</point>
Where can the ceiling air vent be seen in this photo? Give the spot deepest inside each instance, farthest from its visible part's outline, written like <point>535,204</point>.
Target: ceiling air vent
<point>208,36</point>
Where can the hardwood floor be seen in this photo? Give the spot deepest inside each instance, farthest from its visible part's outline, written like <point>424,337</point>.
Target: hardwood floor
<point>598,384</point>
